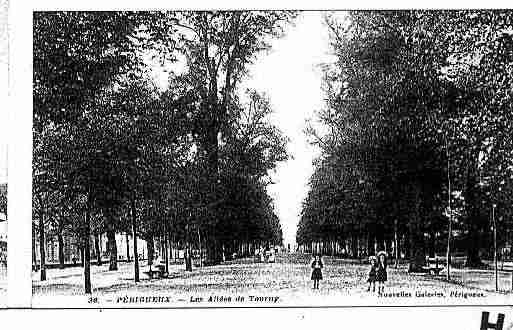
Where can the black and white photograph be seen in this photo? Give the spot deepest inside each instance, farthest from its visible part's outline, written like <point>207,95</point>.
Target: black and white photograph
<point>271,158</point>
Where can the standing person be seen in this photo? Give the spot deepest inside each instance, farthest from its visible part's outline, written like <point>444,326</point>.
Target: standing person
<point>316,265</point>
<point>156,261</point>
<point>381,273</point>
<point>372,273</point>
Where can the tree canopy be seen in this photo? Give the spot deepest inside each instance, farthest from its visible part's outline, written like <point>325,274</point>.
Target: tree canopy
<point>416,101</point>
<point>113,152</point>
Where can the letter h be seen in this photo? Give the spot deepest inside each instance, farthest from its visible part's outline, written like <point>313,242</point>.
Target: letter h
<point>485,325</point>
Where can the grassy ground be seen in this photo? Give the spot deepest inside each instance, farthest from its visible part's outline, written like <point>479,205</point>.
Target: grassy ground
<point>288,279</point>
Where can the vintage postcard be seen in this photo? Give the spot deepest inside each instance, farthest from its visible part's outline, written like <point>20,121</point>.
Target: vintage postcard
<point>272,158</point>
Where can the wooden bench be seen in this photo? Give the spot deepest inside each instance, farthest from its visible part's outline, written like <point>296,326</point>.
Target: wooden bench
<point>158,272</point>
<point>432,266</point>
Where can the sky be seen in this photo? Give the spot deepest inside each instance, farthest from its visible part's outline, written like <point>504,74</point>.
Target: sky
<point>291,77</point>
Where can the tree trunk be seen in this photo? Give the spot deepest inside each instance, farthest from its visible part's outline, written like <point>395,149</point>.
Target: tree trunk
<point>97,250</point>
<point>166,250</point>
<point>112,249</point>
<point>127,247</point>
<point>134,235</point>
<point>370,243</point>
<point>188,258</point>
<point>417,244</point>
<point>200,249</point>
<point>212,148</point>
<point>417,254</point>
<point>173,247</point>
<point>214,254</point>
<point>150,245</point>
<point>34,257</point>
<point>406,244</point>
<point>388,247</point>
<point>87,254</point>
<point>432,245</point>
<point>473,244</point>
<point>474,219</point>
<point>354,246</point>
<point>42,254</point>
<point>176,256</point>
<point>380,238</point>
<point>61,249</point>
<point>81,254</point>
<point>396,244</point>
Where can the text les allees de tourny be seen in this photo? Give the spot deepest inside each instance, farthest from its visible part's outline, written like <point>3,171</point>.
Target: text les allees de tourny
<point>192,299</point>
<point>236,299</point>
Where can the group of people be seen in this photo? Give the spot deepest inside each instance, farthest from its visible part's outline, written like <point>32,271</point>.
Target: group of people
<point>377,272</point>
<point>266,255</point>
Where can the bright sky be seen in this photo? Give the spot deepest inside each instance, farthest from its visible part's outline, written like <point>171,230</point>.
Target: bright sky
<point>291,77</point>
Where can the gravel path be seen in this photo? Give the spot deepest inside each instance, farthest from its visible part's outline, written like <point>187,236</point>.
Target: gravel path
<point>245,283</point>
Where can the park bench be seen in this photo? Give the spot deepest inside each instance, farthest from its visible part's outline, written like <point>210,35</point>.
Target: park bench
<point>433,266</point>
<point>158,272</point>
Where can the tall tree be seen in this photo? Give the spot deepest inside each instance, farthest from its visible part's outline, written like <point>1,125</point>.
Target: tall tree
<point>218,47</point>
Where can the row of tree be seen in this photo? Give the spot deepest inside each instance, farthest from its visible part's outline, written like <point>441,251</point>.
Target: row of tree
<point>113,152</point>
<point>415,135</point>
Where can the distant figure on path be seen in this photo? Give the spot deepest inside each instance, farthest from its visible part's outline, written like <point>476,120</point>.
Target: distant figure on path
<point>372,273</point>
<point>272,257</point>
<point>316,265</point>
<point>156,261</point>
<point>381,273</point>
